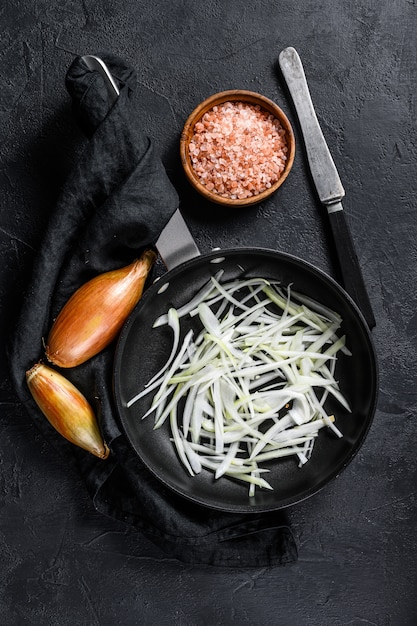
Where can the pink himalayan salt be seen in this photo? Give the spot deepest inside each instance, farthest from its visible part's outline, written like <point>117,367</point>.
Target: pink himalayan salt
<point>238,150</point>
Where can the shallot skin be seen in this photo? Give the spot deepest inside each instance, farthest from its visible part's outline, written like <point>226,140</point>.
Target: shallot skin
<point>66,409</point>
<point>96,312</point>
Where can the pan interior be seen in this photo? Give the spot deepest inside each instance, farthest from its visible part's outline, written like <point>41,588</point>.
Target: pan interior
<point>142,350</point>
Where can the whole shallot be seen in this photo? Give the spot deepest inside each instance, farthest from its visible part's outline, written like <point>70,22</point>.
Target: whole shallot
<point>96,312</point>
<point>66,409</point>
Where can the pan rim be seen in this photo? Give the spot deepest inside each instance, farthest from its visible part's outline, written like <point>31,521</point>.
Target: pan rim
<point>370,349</point>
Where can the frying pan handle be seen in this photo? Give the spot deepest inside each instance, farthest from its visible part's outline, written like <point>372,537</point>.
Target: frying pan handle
<point>96,64</point>
<point>175,243</point>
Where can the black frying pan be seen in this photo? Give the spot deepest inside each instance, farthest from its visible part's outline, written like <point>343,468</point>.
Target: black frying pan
<point>142,350</point>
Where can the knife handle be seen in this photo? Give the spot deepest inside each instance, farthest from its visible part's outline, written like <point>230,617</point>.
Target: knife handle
<point>349,265</point>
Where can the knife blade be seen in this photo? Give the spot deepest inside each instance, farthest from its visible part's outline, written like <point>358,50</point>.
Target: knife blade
<point>326,179</point>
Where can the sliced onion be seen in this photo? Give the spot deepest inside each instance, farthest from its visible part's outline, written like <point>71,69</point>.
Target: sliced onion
<point>252,385</point>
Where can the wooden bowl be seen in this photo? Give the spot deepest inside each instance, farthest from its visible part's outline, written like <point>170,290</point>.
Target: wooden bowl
<point>234,95</point>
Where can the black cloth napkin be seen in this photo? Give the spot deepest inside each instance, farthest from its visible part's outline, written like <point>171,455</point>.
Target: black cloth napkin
<point>114,204</point>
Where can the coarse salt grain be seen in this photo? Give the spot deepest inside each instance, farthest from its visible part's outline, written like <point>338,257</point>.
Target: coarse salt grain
<point>238,150</point>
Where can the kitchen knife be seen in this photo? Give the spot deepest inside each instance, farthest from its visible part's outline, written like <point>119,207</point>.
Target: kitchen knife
<point>326,179</point>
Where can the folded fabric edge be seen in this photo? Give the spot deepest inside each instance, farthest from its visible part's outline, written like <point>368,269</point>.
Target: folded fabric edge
<point>227,547</point>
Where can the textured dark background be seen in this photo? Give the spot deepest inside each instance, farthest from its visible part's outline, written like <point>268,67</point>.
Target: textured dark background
<point>61,562</point>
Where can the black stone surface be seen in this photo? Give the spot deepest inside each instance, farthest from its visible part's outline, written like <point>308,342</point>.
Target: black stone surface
<point>63,563</point>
